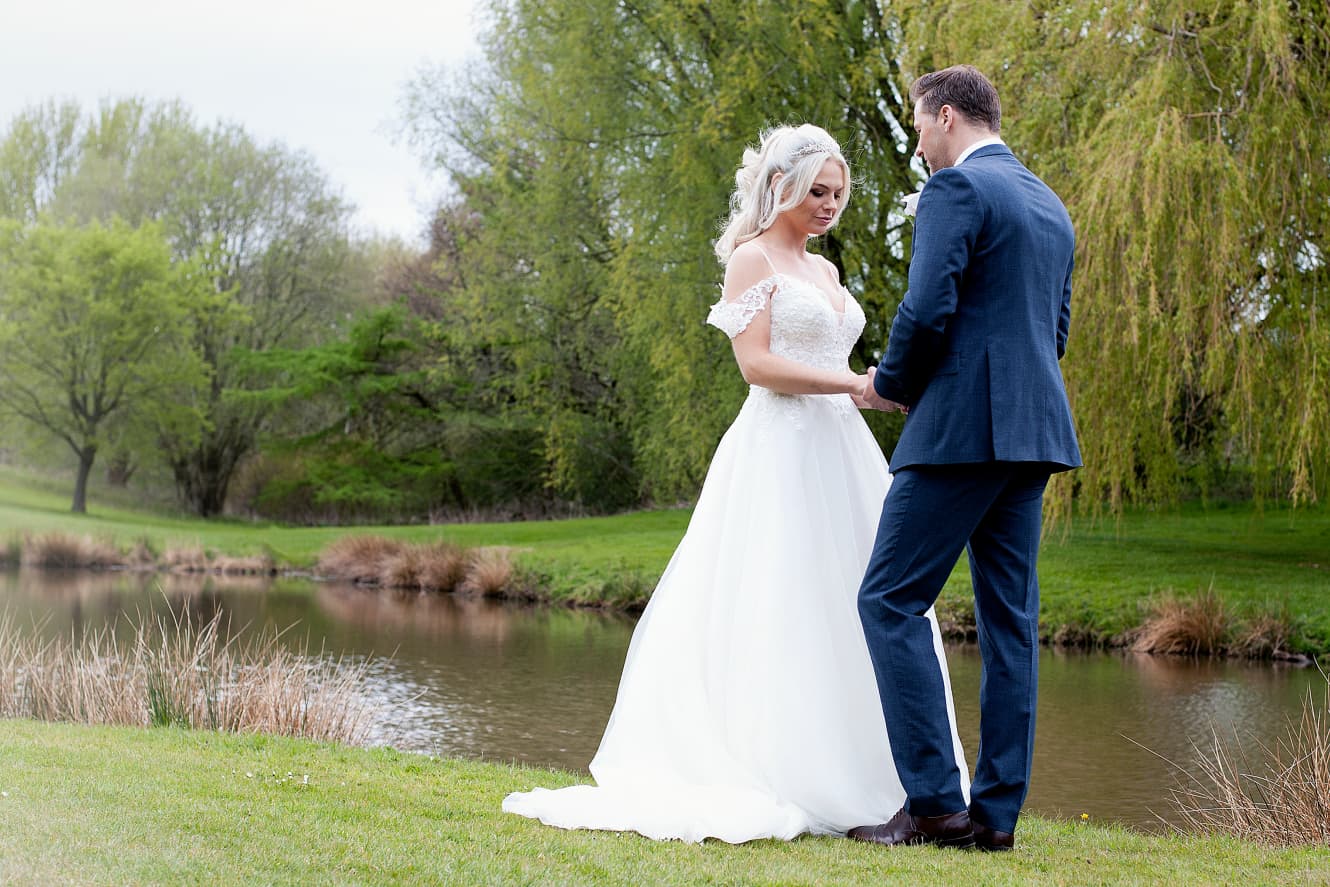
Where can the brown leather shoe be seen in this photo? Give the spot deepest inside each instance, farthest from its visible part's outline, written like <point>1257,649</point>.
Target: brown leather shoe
<point>951,830</point>
<point>990,840</point>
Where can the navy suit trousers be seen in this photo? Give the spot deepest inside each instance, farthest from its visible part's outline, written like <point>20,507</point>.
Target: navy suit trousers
<point>931,513</point>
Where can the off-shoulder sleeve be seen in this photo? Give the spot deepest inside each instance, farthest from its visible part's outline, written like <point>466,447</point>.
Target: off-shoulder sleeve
<point>733,316</point>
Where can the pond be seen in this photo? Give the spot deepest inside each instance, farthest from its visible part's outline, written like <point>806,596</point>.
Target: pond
<point>479,679</point>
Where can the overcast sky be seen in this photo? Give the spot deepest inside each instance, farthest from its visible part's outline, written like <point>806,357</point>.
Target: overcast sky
<point>325,76</point>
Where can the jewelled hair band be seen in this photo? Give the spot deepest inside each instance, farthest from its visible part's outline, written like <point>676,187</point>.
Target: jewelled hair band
<point>816,147</point>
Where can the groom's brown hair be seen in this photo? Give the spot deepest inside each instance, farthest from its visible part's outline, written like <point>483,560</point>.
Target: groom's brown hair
<point>965,89</point>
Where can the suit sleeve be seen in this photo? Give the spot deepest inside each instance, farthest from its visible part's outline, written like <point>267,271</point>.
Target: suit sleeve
<point>1064,313</point>
<point>946,229</point>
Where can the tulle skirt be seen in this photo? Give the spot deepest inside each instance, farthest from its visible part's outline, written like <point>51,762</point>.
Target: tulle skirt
<point>748,706</point>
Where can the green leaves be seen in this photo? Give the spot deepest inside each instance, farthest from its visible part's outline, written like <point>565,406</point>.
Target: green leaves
<point>95,338</point>
<point>595,159</point>
<point>255,234</point>
<point>1179,138</point>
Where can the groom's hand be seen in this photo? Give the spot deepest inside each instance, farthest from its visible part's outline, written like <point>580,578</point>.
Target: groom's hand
<point>874,401</point>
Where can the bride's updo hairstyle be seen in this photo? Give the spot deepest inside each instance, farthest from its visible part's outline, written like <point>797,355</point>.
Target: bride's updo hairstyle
<point>797,153</point>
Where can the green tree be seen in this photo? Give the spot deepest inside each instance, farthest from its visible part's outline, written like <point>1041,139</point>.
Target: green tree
<point>261,223</point>
<point>94,331</point>
<point>1185,139</point>
<point>379,427</point>
<point>598,171</point>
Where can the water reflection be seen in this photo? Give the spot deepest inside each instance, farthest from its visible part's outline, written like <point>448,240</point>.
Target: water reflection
<point>478,679</point>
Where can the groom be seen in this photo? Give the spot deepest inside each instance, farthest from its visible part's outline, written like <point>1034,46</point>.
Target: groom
<point>973,361</point>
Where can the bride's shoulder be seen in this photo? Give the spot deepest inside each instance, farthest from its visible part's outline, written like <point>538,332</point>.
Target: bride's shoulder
<point>747,268</point>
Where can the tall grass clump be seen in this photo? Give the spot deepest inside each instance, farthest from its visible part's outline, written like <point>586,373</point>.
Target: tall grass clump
<point>1284,803</point>
<point>172,673</point>
<point>358,558</point>
<point>185,559</point>
<point>1195,626</point>
<point>250,565</point>
<point>489,573</point>
<point>68,551</point>
<point>1266,636</point>
<point>1204,625</point>
<point>434,566</point>
<point>444,567</point>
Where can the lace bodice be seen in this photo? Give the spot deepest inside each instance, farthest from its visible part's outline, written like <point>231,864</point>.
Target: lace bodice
<point>804,326</point>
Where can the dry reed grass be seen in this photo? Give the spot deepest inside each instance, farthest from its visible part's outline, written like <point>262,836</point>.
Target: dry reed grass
<point>1283,803</point>
<point>489,574</point>
<point>67,551</point>
<point>358,558</point>
<point>436,566</point>
<point>1264,637</point>
<point>252,565</point>
<point>185,559</point>
<point>1196,626</point>
<point>444,567</point>
<point>401,569</point>
<point>171,673</point>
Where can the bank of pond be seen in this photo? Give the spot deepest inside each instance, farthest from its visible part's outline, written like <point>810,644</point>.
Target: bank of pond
<point>1122,737</point>
<point>1199,621</point>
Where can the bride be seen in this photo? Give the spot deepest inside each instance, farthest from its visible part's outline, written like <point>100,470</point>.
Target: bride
<point>748,707</point>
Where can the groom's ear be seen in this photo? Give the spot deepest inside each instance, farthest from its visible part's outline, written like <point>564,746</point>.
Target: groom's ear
<point>946,116</point>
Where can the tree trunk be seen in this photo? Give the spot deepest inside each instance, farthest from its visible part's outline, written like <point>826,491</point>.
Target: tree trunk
<point>86,455</point>
<point>203,474</point>
<point>120,469</point>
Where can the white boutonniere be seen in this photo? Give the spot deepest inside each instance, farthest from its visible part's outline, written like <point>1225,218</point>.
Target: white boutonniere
<point>911,202</point>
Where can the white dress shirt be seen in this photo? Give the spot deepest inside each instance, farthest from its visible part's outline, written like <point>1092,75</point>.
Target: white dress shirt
<point>982,143</point>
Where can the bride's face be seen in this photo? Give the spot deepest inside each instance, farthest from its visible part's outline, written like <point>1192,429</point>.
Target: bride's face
<point>818,211</point>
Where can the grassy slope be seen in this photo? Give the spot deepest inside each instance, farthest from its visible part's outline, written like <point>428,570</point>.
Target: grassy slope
<point>1099,577</point>
<point>120,805</point>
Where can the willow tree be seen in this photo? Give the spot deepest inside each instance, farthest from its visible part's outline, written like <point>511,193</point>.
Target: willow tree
<point>598,149</point>
<point>1188,141</point>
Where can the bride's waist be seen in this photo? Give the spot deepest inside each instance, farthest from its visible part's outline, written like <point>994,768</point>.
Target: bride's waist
<point>758,393</point>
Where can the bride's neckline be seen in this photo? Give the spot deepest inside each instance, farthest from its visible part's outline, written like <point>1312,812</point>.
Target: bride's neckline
<point>826,297</point>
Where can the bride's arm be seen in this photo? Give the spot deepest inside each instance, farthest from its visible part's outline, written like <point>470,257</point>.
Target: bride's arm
<point>752,347</point>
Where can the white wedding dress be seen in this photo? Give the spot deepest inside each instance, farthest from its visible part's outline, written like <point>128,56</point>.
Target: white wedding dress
<point>748,706</point>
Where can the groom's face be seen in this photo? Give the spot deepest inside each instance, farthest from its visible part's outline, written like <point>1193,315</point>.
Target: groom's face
<point>934,147</point>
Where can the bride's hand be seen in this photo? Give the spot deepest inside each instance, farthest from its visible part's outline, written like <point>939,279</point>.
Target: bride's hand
<point>861,381</point>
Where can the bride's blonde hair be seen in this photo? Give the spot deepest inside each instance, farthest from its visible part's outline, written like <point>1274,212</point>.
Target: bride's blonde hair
<point>797,153</point>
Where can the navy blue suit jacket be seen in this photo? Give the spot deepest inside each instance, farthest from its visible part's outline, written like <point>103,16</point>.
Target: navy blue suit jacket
<point>975,345</point>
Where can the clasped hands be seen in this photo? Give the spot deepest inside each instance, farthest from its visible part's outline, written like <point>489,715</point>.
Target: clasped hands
<point>869,399</point>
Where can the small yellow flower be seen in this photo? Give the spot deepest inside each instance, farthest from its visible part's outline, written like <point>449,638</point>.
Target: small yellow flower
<point>1084,817</point>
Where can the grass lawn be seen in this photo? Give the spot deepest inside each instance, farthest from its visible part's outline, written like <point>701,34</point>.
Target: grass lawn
<point>124,805</point>
<point>1097,578</point>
